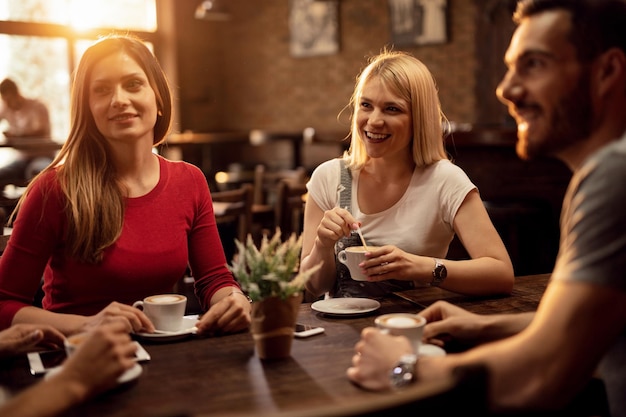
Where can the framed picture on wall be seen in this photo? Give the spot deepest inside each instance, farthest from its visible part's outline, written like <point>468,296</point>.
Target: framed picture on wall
<point>418,22</point>
<point>313,27</point>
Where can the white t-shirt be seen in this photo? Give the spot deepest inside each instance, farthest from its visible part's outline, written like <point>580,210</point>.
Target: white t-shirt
<point>421,222</point>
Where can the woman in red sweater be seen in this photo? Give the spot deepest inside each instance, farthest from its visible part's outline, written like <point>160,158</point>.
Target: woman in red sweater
<point>109,222</point>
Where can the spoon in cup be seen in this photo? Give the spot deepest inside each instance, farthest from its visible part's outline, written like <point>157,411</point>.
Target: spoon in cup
<point>358,229</point>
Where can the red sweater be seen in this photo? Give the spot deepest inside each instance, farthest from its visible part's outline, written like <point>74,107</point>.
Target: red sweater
<point>163,232</point>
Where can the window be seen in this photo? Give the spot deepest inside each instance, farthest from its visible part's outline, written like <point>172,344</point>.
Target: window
<point>41,41</point>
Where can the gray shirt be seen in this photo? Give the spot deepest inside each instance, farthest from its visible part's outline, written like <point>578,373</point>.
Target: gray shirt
<point>593,246</point>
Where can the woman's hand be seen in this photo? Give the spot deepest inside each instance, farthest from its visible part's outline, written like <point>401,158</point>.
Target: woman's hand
<point>335,224</point>
<point>136,321</point>
<point>376,354</point>
<point>229,314</point>
<point>22,338</point>
<point>390,262</point>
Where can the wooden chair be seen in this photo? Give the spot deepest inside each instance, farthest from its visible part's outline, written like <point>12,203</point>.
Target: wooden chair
<point>265,195</point>
<point>238,209</point>
<point>289,207</point>
<point>8,202</point>
<point>4,240</point>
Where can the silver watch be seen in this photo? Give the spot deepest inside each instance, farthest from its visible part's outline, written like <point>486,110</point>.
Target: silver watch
<point>403,373</point>
<point>439,273</point>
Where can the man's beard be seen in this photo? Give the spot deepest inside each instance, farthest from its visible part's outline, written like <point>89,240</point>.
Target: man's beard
<point>571,123</point>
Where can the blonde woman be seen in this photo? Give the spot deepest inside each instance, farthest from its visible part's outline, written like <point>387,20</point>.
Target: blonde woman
<point>109,222</point>
<point>398,185</point>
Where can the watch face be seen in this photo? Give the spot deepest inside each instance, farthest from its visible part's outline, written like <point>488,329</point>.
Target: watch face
<point>403,373</point>
<point>441,271</point>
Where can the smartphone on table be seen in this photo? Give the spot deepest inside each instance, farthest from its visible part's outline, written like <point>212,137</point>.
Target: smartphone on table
<point>306,330</point>
<point>42,362</point>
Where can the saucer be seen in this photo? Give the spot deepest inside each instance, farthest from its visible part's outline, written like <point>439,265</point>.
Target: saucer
<point>188,328</point>
<point>128,376</point>
<point>427,349</point>
<point>345,306</point>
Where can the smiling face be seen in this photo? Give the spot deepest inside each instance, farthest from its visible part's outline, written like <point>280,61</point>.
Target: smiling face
<point>121,100</point>
<point>384,121</point>
<point>546,87</point>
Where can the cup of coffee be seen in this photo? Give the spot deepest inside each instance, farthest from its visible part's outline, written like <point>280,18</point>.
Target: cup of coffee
<point>351,257</point>
<point>165,311</point>
<point>73,342</point>
<point>403,324</point>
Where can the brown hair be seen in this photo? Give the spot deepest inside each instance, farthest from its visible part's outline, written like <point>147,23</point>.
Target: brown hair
<point>95,199</point>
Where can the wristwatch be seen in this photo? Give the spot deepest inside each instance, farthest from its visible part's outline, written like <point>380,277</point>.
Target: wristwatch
<point>403,373</point>
<point>439,273</point>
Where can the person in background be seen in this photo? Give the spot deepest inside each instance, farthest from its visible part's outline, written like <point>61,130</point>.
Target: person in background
<point>398,185</point>
<point>566,88</point>
<point>94,368</point>
<point>110,222</point>
<point>27,118</point>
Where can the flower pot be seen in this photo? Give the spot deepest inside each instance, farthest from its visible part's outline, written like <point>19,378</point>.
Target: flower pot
<point>273,323</point>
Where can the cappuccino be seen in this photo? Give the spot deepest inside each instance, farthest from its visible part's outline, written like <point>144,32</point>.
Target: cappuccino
<point>402,324</point>
<point>164,299</point>
<point>73,342</point>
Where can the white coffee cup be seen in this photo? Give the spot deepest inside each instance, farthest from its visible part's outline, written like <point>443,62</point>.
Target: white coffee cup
<point>403,324</point>
<point>351,257</point>
<point>73,342</point>
<point>165,311</point>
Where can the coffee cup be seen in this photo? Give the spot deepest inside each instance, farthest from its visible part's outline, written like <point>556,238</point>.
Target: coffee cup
<point>73,342</point>
<point>403,324</point>
<point>165,311</point>
<point>351,257</point>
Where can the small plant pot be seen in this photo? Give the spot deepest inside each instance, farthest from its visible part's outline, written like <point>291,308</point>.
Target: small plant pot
<point>273,324</point>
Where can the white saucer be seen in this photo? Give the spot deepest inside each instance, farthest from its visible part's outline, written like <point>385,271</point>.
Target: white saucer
<point>345,306</point>
<point>188,328</point>
<point>130,375</point>
<point>427,349</point>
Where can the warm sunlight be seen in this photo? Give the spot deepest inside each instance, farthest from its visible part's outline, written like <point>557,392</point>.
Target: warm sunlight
<point>40,64</point>
<point>112,13</point>
<point>82,15</point>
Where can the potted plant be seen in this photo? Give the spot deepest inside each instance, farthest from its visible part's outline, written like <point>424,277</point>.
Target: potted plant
<point>271,277</point>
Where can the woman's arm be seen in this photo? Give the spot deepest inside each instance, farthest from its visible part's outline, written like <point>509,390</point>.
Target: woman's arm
<point>321,231</point>
<point>488,272</point>
<point>69,324</point>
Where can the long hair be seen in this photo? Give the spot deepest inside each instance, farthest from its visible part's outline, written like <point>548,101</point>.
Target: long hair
<point>406,77</point>
<point>94,196</point>
<point>597,25</point>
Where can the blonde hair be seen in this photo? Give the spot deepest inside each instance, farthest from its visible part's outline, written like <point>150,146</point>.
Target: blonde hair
<point>94,197</point>
<point>408,78</point>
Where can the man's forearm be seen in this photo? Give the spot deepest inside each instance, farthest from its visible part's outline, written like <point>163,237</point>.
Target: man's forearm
<point>500,326</point>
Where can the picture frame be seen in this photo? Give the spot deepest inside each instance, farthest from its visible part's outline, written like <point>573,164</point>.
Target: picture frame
<point>313,27</point>
<point>418,22</point>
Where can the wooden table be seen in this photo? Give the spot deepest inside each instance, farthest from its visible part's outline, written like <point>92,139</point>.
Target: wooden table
<point>223,375</point>
<point>526,294</point>
<point>32,146</point>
